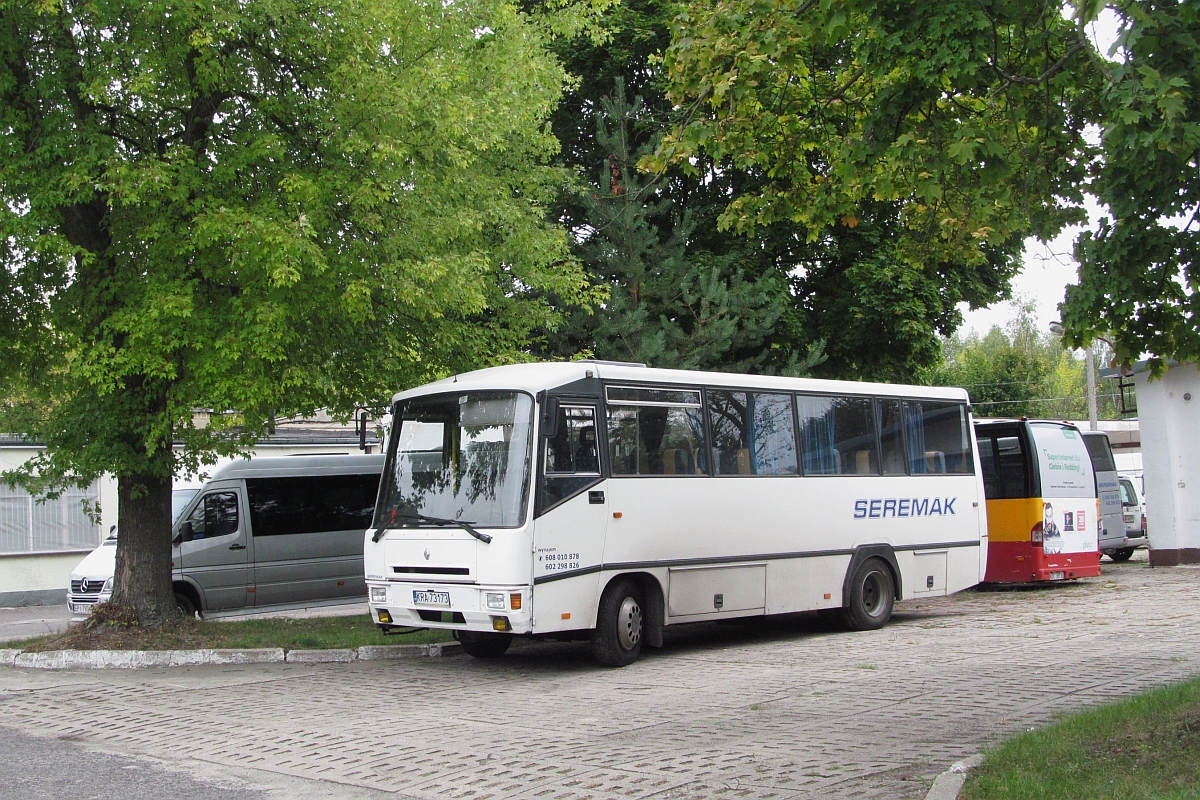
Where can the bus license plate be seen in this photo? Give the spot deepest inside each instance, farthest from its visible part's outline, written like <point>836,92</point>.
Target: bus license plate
<point>1054,576</point>
<point>431,598</point>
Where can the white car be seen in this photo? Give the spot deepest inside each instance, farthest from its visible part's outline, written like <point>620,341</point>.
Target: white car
<point>91,580</point>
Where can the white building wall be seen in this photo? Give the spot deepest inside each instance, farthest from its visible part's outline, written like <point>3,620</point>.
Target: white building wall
<point>1169,416</point>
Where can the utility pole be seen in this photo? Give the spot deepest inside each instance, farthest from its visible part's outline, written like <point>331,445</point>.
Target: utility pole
<point>1091,388</point>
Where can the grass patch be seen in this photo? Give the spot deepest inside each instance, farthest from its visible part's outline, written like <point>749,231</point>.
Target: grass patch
<point>1142,748</point>
<point>318,633</point>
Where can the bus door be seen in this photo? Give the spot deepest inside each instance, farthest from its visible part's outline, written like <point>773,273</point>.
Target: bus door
<point>1014,511</point>
<point>1108,490</point>
<point>571,518</point>
<point>1069,528</point>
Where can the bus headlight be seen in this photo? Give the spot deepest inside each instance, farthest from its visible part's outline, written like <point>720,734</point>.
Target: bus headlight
<point>378,594</point>
<point>495,600</point>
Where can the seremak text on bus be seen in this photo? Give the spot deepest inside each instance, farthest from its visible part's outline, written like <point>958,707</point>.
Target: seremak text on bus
<point>604,501</point>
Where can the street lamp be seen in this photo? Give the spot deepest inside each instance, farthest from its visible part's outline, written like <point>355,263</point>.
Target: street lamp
<point>1057,329</point>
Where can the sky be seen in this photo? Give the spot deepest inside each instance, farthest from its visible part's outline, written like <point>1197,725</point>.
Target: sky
<point>1048,268</point>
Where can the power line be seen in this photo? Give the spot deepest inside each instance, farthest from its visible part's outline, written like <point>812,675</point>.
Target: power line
<point>1037,400</point>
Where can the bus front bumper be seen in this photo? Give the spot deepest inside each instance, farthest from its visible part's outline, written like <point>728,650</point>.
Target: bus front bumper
<point>504,609</point>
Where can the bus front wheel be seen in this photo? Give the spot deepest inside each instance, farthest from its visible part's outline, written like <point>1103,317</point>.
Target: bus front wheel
<point>617,640</point>
<point>484,645</point>
<point>872,595</point>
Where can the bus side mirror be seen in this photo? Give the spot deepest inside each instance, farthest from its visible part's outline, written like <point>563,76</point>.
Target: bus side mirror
<point>549,427</point>
<point>185,531</point>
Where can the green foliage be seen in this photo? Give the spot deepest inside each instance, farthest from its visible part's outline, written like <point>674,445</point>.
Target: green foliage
<point>672,302</point>
<point>1138,273</point>
<point>263,208</point>
<point>1018,370</point>
<point>910,147</point>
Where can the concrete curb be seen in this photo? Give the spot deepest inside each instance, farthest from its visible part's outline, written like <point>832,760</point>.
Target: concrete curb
<point>947,785</point>
<point>143,659</point>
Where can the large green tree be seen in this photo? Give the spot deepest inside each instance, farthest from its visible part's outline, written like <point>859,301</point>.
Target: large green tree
<point>259,207</point>
<point>912,145</point>
<point>1139,280</point>
<point>681,293</point>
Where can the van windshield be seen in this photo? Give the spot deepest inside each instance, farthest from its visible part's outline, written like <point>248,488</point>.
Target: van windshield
<point>461,457</point>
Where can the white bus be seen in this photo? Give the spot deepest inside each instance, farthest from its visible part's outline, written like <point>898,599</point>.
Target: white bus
<point>605,501</point>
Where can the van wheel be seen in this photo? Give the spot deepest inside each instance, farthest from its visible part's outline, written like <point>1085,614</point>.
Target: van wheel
<point>1122,554</point>
<point>186,607</point>
<point>872,595</point>
<point>484,645</point>
<point>617,640</point>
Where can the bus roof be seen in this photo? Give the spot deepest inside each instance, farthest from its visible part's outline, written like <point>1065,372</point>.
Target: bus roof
<point>548,375</point>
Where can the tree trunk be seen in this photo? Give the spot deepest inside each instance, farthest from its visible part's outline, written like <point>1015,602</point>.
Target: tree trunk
<point>143,576</point>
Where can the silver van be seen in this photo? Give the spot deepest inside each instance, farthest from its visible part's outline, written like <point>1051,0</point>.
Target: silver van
<point>263,532</point>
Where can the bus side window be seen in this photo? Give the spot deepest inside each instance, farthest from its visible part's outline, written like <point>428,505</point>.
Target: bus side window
<point>571,461</point>
<point>938,442</point>
<point>665,436</point>
<point>891,439</point>
<point>752,433</point>
<point>838,435</point>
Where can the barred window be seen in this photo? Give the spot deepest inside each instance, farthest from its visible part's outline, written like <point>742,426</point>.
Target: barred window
<point>27,526</point>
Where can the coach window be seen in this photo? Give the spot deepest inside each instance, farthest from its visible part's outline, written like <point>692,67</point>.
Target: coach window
<point>891,436</point>
<point>752,433</point>
<point>938,438</point>
<point>655,431</point>
<point>571,462</point>
<point>838,435</point>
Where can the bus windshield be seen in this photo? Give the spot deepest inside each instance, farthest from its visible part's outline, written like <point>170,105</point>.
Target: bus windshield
<point>459,457</point>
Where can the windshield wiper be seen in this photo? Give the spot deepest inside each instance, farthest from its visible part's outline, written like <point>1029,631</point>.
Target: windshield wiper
<point>466,526</point>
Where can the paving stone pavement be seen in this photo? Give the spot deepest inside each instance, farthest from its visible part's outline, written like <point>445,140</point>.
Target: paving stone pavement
<point>781,708</point>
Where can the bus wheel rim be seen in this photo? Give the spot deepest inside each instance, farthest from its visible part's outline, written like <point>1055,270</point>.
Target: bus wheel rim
<point>872,593</point>
<point>629,623</point>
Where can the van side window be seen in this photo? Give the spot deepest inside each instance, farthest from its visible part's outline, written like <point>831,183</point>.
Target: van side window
<point>311,504</point>
<point>752,433</point>
<point>938,440</point>
<point>216,515</point>
<point>838,435</point>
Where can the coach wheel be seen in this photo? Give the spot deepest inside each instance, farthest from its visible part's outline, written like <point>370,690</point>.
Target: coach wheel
<point>1122,554</point>
<point>872,595</point>
<point>484,645</point>
<point>617,641</point>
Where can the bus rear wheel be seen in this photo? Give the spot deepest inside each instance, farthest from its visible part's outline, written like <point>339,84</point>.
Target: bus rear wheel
<point>617,640</point>
<point>484,645</point>
<point>872,595</point>
<point>1122,554</point>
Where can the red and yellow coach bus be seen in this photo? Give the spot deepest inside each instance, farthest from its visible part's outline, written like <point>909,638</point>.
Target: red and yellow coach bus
<point>1042,512</point>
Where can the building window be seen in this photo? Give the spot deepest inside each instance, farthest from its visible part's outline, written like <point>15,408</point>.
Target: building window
<point>27,526</point>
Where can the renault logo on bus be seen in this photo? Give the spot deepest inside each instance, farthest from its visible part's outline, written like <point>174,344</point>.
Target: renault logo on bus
<point>426,553</point>
<point>877,508</point>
